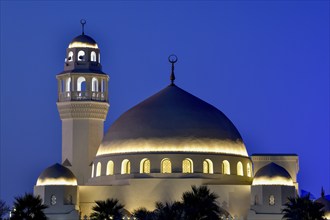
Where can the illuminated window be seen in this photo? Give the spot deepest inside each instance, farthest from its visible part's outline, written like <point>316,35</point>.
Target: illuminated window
<point>98,169</point>
<point>68,84</point>
<point>187,166</point>
<point>248,170</point>
<point>95,85</point>
<point>81,83</point>
<point>271,200</point>
<point>53,200</point>
<point>240,169</point>
<point>145,166</point>
<point>70,56</point>
<point>93,56</point>
<point>92,170</point>
<point>126,167</point>
<point>207,166</point>
<point>81,55</point>
<point>166,166</point>
<point>99,58</point>
<point>225,167</point>
<point>110,167</point>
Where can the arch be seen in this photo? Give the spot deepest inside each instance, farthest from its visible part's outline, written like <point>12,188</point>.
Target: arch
<point>125,167</point>
<point>248,170</point>
<point>70,56</point>
<point>93,56</point>
<point>81,55</point>
<point>225,167</point>
<point>187,166</point>
<point>166,166</point>
<point>240,169</point>
<point>98,169</point>
<point>92,171</point>
<point>68,84</point>
<point>207,166</point>
<point>110,166</point>
<point>81,84</point>
<point>95,85</point>
<point>145,165</point>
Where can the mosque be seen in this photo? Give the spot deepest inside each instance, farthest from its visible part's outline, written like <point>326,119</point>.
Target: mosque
<point>153,152</point>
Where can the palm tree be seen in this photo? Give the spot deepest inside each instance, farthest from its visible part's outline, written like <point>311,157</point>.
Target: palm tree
<point>28,207</point>
<point>167,211</point>
<point>4,209</point>
<point>144,214</point>
<point>200,203</point>
<point>108,209</point>
<point>302,208</point>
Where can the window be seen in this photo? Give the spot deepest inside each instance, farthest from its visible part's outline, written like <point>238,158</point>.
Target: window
<point>166,166</point>
<point>92,170</point>
<point>53,200</point>
<point>225,167</point>
<point>248,170</point>
<point>98,169</point>
<point>95,85</point>
<point>93,56</point>
<point>187,166</point>
<point>145,166</point>
<point>70,56</point>
<point>81,84</point>
<point>110,167</point>
<point>126,167</point>
<point>271,200</point>
<point>207,166</point>
<point>68,84</point>
<point>240,169</point>
<point>81,55</point>
<point>99,58</point>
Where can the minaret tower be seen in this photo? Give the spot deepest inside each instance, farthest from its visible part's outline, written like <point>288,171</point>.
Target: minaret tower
<point>82,104</point>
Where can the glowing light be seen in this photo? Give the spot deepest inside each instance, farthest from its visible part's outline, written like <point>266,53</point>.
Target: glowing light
<point>81,44</point>
<point>56,181</point>
<point>240,169</point>
<point>226,167</point>
<point>274,180</point>
<point>187,166</point>
<point>200,145</point>
<point>207,166</point>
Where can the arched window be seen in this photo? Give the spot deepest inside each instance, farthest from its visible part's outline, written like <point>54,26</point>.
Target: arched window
<point>207,166</point>
<point>98,169</point>
<point>126,167</point>
<point>271,200</point>
<point>225,167</point>
<point>95,85</point>
<point>166,166</point>
<point>145,166</point>
<point>110,167</point>
<point>187,166</point>
<point>81,55</point>
<point>248,170</point>
<point>81,84</point>
<point>70,56</point>
<point>92,170</point>
<point>68,84</point>
<point>240,169</point>
<point>93,56</point>
<point>99,58</point>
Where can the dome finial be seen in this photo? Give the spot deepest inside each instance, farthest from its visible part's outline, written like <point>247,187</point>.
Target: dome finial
<point>83,22</point>
<point>172,59</point>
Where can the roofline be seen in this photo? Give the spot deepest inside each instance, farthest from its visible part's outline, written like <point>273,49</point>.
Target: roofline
<point>274,155</point>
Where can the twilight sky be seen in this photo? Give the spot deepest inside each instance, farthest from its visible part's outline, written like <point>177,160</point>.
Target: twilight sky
<point>265,64</point>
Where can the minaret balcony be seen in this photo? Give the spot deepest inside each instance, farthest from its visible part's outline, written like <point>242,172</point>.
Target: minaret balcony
<point>82,96</point>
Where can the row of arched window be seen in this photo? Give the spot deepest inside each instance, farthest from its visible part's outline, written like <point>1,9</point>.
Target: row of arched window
<point>81,56</point>
<point>81,85</point>
<point>166,167</point>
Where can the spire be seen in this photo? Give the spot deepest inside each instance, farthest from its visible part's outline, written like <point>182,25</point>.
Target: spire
<point>83,22</point>
<point>172,59</point>
<point>322,192</point>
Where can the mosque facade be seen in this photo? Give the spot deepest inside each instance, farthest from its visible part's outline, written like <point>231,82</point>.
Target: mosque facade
<point>153,152</point>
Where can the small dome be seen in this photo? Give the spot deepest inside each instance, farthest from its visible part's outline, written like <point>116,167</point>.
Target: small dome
<point>83,41</point>
<point>173,120</point>
<point>272,174</point>
<point>57,175</point>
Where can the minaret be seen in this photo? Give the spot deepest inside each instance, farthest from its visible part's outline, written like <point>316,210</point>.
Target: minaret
<point>82,104</point>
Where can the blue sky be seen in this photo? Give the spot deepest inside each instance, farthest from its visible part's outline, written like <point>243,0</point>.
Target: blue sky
<point>265,64</point>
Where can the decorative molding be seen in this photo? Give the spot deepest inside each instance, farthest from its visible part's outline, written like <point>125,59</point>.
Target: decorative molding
<point>80,110</point>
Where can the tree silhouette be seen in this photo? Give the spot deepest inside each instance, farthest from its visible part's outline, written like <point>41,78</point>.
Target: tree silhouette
<point>108,209</point>
<point>4,209</point>
<point>28,207</point>
<point>144,214</point>
<point>165,211</point>
<point>200,203</point>
<point>303,208</point>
